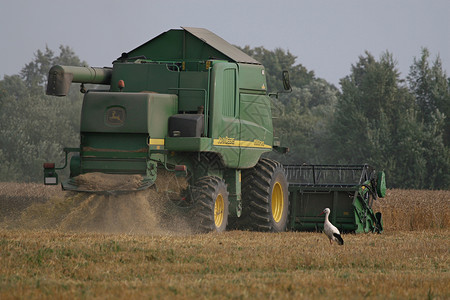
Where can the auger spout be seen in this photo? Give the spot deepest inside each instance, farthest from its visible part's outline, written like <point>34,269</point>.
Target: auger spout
<point>60,78</point>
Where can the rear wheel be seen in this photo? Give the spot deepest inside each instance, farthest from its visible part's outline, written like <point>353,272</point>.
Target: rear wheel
<point>265,197</point>
<point>210,211</point>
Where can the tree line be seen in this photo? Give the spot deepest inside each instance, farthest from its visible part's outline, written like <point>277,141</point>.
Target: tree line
<point>399,125</point>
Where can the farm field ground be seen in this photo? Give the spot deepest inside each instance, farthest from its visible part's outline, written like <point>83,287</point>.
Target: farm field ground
<point>46,253</point>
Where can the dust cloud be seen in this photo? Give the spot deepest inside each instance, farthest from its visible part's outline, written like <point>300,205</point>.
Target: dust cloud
<point>147,212</point>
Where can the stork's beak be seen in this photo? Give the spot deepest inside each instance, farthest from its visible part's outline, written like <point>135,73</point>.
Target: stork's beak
<point>321,213</point>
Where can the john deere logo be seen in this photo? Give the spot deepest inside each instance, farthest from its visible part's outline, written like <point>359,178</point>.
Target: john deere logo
<point>115,116</point>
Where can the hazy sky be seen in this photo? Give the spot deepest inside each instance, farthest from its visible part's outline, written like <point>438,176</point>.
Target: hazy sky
<point>327,36</point>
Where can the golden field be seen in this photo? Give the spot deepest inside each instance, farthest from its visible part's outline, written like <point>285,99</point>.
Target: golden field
<point>44,255</point>
<point>415,209</point>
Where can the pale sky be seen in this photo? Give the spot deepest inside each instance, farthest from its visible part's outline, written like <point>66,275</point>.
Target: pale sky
<point>327,36</point>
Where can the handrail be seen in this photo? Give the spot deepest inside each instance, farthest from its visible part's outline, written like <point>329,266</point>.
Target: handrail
<point>67,151</point>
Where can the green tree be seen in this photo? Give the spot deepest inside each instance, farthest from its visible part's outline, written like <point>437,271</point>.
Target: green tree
<point>376,122</point>
<point>35,72</point>
<point>303,122</point>
<point>429,84</point>
<point>277,61</point>
<point>34,127</point>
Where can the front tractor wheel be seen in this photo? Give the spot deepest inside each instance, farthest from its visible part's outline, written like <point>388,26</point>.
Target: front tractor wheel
<point>210,210</point>
<point>265,197</point>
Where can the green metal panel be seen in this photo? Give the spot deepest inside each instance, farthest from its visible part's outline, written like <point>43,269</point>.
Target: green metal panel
<point>151,77</point>
<point>365,218</point>
<point>136,112</point>
<point>193,91</point>
<point>75,166</point>
<point>229,93</point>
<point>224,129</point>
<point>252,79</point>
<point>113,152</point>
<point>256,128</point>
<point>256,117</point>
<point>106,141</point>
<point>122,146</point>
<point>381,184</point>
<point>160,108</point>
<point>250,156</point>
<point>307,205</point>
<point>128,166</point>
<point>131,114</point>
<point>166,46</point>
<point>189,144</point>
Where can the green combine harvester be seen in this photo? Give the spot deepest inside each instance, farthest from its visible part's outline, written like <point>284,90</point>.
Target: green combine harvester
<point>189,104</point>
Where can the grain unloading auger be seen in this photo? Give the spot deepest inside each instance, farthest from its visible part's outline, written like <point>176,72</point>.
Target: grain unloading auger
<point>191,105</point>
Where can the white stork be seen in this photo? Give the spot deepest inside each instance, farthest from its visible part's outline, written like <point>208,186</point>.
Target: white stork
<point>330,230</point>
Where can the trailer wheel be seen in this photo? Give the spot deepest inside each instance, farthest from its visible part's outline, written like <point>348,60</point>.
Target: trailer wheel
<point>210,211</point>
<point>265,197</point>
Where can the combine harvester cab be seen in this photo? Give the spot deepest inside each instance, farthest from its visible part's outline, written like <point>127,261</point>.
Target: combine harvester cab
<point>348,190</point>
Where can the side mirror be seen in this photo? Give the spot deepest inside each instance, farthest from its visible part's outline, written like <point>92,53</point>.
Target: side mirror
<point>286,82</point>
<point>286,85</point>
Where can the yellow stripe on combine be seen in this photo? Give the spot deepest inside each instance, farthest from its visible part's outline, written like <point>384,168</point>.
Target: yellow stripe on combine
<point>231,142</point>
<point>254,144</point>
<point>156,142</point>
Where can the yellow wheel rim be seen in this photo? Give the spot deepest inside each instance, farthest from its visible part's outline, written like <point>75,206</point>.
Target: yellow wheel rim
<point>219,207</point>
<point>277,202</point>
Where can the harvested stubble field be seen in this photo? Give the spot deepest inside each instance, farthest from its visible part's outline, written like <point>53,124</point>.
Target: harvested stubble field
<point>45,253</point>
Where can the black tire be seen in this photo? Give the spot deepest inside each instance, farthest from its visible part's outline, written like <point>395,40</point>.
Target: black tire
<point>265,197</point>
<point>210,210</point>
